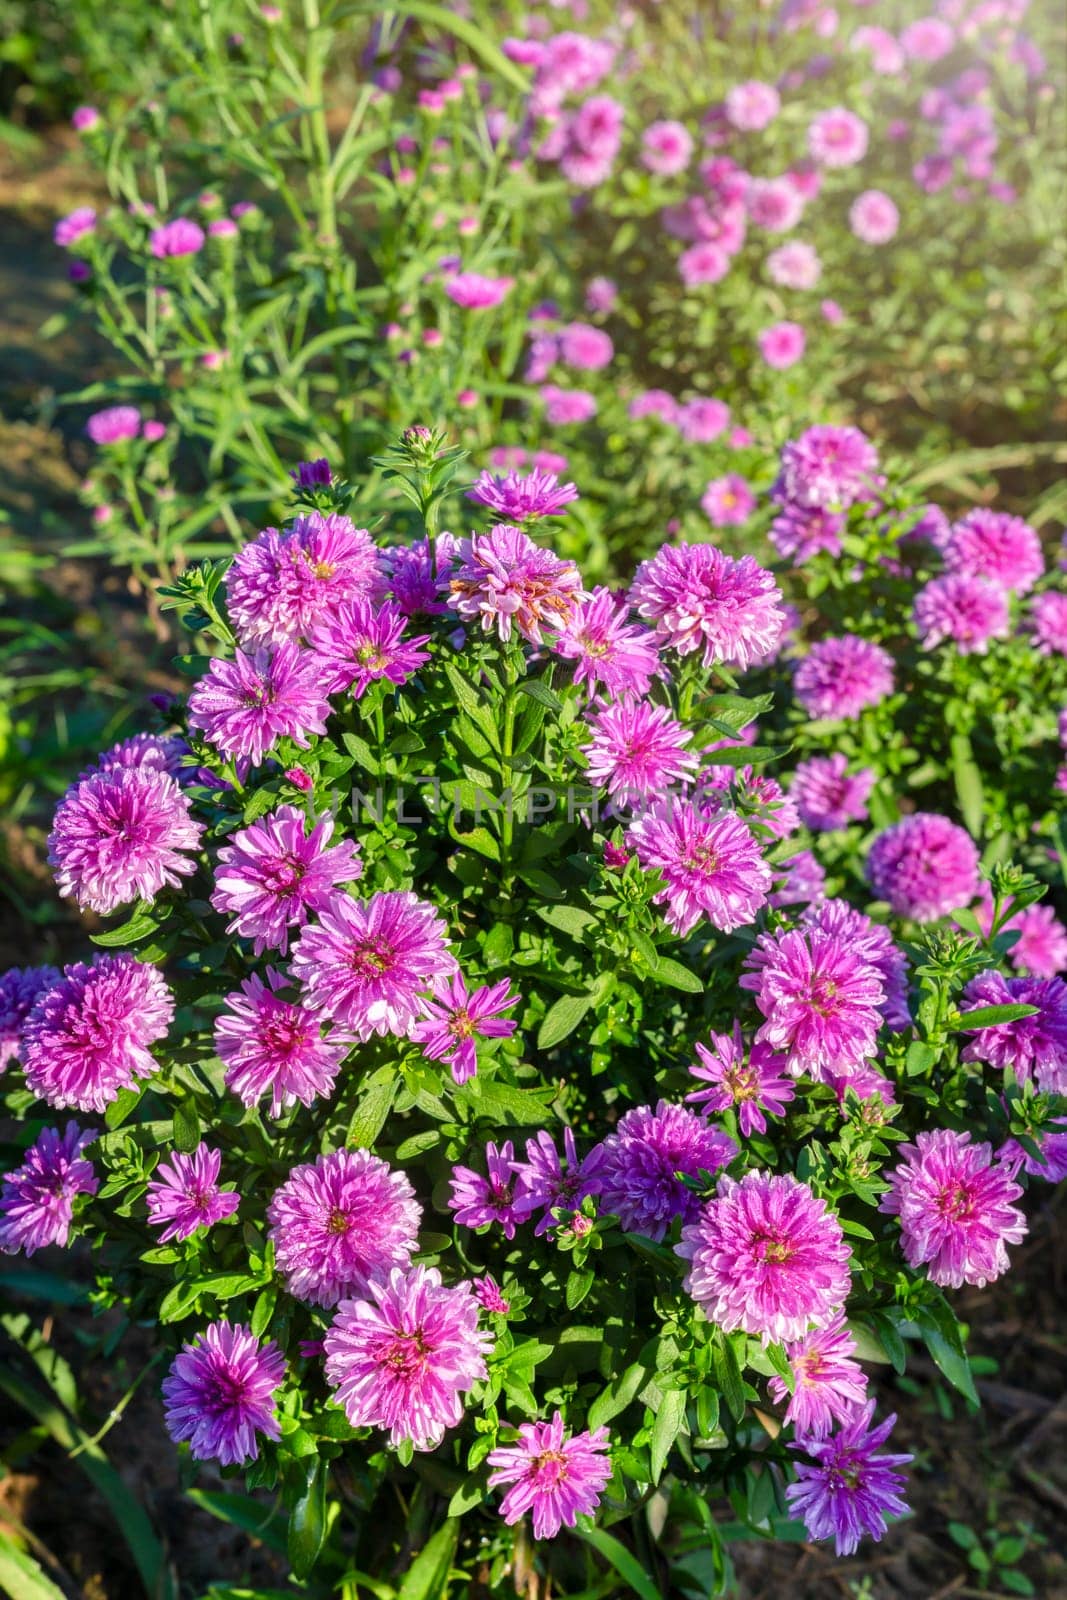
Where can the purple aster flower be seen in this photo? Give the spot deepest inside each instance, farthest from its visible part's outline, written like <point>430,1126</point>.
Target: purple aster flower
<point>728,502</point>
<point>1034,1046</point>
<point>875,945</point>
<point>359,644</point>
<point>924,866</point>
<point>829,468</point>
<point>969,611</point>
<point>829,1383</point>
<point>837,138</point>
<point>19,988</point>
<point>220,1393</point>
<point>798,881</point>
<point>162,752</point>
<point>274,874</point>
<point>119,835</point>
<point>954,1205</point>
<point>473,291</point>
<point>557,1476</point>
<point>637,750</point>
<point>548,1182</point>
<point>340,1222</point>
<point>77,225</point>
<point>455,1017</point>
<point>481,1202</point>
<point>1040,951</point>
<point>521,496</point>
<point>699,599</point>
<point>608,649</point>
<point>88,1035</point>
<point>759,799</point>
<point>800,532</point>
<point>828,796</point>
<point>244,706</point>
<point>36,1200</point>
<point>638,1166</point>
<point>752,1085</point>
<point>841,677</point>
<point>1048,623</point>
<point>767,1256</point>
<point>821,998</point>
<point>504,579</point>
<point>312,474</point>
<point>369,962</point>
<point>115,425</point>
<point>180,237</point>
<point>712,865</point>
<point>403,1360</point>
<point>852,1489</point>
<point>267,1043</point>
<point>994,545</point>
<point>281,584</point>
<point>417,580</point>
<point>184,1194</point>
<point>1052,1165</point>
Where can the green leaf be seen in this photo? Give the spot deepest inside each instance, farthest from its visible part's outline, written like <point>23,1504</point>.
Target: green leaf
<point>729,1377</point>
<point>427,1576</point>
<point>263,1522</point>
<point>669,1419</point>
<point>21,1576</point>
<point>539,691</point>
<point>141,924</point>
<point>990,1016</point>
<point>180,1300</point>
<point>579,1283</point>
<point>968,782</point>
<point>503,1103</point>
<point>618,1395</point>
<point>479,839</point>
<point>186,1126</point>
<point>919,1059</point>
<point>471,1492</point>
<point>677,976</point>
<point>625,1564</point>
<point>568,919</point>
<point>562,1018</point>
<point>307,1521</point>
<point>941,1335</point>
<point>370,1115</point>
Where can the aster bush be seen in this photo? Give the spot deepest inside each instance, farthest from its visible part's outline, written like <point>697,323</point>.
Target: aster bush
<point>527,1090</point>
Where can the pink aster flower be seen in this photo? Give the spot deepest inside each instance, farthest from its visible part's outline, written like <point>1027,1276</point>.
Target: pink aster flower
<point>666,148</point>
<point>749,1082</point>
<point>1033,1046</point>
<point>341,1222</point>
<point>244,706</point>
<point>608,649</point>
<point>841,677</point>
<point>728,502</point>
<point>473,291</point>
<point>1048,623</point>
<point>712,865</point>
<point>800,532</point>
<point>697,598</point>
<point>556,1475</point>
<point>368,962</point>
<point>794,265</point>
<point>654,403</point>
<point>403,1359</point>
<point>506,580</point>
<point>925,866</point>
<point>455,1017</point>
<point>270,1044</point>
<point>774,204</point>
<point>821,999</point>
<point>359,644</point>
<point>954,1205</point>
<point>829,468</point>
<point>484,1202</point>
<point>487,1293</point>
<point>782,344</point>
<point>564,406</point>
<point>873,943</point>
<point>638,1166</point>
<point>119,836</point>
<point>601,295</point>
<point>548,1182</point>
<point>637,750</point>
<point>36,1199</point>
<point>829,1383</point>
<point>702,420</point>
<point>220,1393</point>
<point>180,237</point>
<point>968,610</point>
<point>523,496</point>
<point>417,577</point>
<point>115,425</point>
<point>162,752</point>
<point>281,584</point>
<point>704,262</point>
<point>84,119</point>
<point>994,545</point>
<point>873,217</point>
<point>585,347</point>
<point>1040,951</point>
<point>927,39</point>
<point>828,796</point>
<point>768,1257</point>
<point>852,1489</point>
<point>274,874</point>
<point>88,1035</point>
<point>19,988</point>
<point>751,106</point>
<point>76,225</point>
<point>184,1194</point>
<point>799,881</point>
<point>837,138</point>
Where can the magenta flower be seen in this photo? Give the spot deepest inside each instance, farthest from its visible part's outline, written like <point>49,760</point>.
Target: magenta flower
<point>752,1086</point>
<point>704,262</point>
<point>482,1202</point>
<point>767,1256</point>
<point>180,237</point>
<point>800,532</point>
<point>274,874</point>
<point>699,599</point>
<point>655,403</point>
<point>954,1205</point>
<point>608,649</point>
<point>116,425</point>
<point>600,295</point>
<point>1040,951</point>
<point>36,1199</point>
<point>162,752</point>
<point>506,580</point>
<point>799,880</point>
<point>993,545</point>
<point>219,1394</point>
<point>341,1222</point>
<point>1033,1046</point>
<point>666,148</point>
<point>875,945</point>
<point>402,1360</point>
<point>587,348</point>
<point>119,835</point>
<point>244,706</point>
<point>84,119</point>
<point>873,217</point>
<point>925,866</point>
<point>728,502</point>
<point>415,580</point>
<point>473,291</point>
<point>637,1167</point>
<point>369,962</point>
<point>837,138</point>
<point>712,865</point>
<point>795,265</point>
<point>548,1182</point>
<point>281,584</point>
<point>927,39</point>
<point>829,468</point>
<point>821,999</point>
<point>1048,623</point>
<point>751,106</point>
<point>19,988</point>
<point>970,611</point>
<point>828,796</point>
<point>487,1293</point>
<point>841,677</point>
<point>557,1476</point>
<point>852,1489</point>
<point>522,496</point>
<point>702,420</point>
<point>88,1035</point>
<point>76,225</point>
<point>782,344</point>
<point>184,1194</point>
<point>267,1043</point>
<point>637,750</point>
<point>565,406</point>
<point>829,1383</point>
<point>774,204</point>
<point>455,1017</point>
<point>359,644</point>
